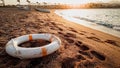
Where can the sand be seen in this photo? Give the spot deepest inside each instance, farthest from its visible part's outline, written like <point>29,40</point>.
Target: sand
<point>81,47</point>
<point>35,43</point>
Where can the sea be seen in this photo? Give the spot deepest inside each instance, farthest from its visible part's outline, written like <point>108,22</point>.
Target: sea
<point>105,20</point>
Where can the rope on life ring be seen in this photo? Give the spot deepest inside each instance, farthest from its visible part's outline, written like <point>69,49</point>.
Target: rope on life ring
<point>14,50</point>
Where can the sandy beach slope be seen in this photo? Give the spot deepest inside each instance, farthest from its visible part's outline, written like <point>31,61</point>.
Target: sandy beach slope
<point>82,47</point>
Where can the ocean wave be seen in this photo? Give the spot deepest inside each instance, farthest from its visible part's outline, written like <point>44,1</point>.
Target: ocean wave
<point>106,24</point>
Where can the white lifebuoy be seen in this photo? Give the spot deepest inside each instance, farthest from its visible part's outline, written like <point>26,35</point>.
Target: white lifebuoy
<point>14,50</point>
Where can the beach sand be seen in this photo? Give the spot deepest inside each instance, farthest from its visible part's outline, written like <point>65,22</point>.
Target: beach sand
<point>81,47</point>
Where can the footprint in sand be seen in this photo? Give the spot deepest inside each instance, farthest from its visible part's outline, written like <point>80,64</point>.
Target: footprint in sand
<point>56,28</point>
<point>81,33</point>
<point>78,43</point>
<point>113,42</point>
<point>53,23</point>
<point>59,28</point>
<point>53,28</point>
<point>95,39</point>
<point>71,29</point>
<point>98,55</point>
<point>87,54</point>
<point>69,40</point>
<point>83,47</point>
<point>70,35</point>
<point>80,57</point>
<point>59,32</point>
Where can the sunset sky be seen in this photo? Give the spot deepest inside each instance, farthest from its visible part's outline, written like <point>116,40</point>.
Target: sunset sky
<point>62,1</point>
<point>75,1</point>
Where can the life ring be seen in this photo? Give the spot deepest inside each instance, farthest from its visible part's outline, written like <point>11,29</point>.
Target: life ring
<point>14,50</point>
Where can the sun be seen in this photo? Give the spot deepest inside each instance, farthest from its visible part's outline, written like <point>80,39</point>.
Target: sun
<point>82,1</point>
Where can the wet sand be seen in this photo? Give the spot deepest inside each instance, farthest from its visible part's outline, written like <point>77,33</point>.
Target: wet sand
<point>81,47</point>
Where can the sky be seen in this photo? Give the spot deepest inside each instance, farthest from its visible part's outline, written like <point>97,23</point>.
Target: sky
<point>76,1</point>
<point>14,2</point>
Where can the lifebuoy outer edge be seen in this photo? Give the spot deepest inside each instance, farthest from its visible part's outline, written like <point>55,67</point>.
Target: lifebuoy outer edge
<point>14,50</point>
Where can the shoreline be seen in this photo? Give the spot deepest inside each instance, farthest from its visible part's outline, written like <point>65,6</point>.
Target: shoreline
<point>80,45</point>
<point>89,24</point>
